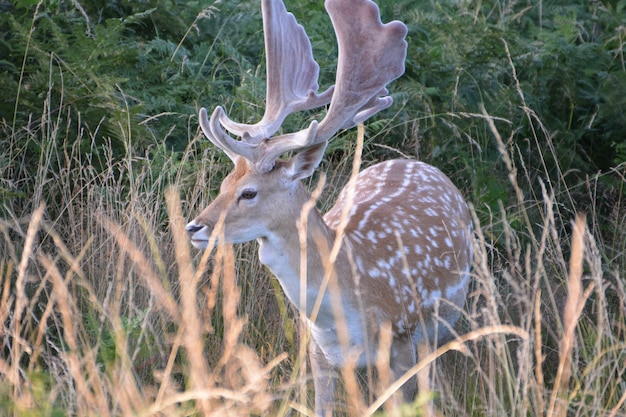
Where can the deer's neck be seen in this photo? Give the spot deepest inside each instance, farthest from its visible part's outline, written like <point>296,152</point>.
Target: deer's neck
<point>338,309</point>
<point>300,263</point>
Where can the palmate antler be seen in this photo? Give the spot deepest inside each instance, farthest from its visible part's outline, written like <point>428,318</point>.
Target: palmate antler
<point>371,54</point>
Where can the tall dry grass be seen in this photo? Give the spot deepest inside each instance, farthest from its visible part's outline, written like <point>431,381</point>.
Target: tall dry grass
<point>106,311</point>
<point>103,310</point>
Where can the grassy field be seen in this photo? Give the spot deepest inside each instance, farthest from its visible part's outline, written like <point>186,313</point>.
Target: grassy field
<point>107,310</point>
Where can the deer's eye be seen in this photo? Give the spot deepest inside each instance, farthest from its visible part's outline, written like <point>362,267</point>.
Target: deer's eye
<point>247,194</point>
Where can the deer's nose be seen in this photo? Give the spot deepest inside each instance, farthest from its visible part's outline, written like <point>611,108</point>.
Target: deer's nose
<point>192,228</point>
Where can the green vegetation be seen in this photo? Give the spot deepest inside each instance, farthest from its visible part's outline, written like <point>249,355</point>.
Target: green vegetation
<point>106,311</point>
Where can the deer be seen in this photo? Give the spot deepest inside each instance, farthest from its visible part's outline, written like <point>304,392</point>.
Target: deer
<point>404,229</point>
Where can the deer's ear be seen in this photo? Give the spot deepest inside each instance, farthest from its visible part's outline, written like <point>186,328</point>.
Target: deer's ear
<point>304,163</point>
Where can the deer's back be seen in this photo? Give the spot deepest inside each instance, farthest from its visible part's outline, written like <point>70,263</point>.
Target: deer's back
<point>408,231</point>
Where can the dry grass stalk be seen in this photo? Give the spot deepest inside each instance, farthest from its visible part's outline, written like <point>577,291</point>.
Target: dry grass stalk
<point>383,369</point>
<point>21,301</point>
<point>164,297</point>
<point>539,357</point>
<point>573,308</point>
<point>193,334</point>
<point>92,400</point>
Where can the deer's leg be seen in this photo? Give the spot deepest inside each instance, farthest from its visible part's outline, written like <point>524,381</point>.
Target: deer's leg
<point>324,376</point>
<point>403,358</point>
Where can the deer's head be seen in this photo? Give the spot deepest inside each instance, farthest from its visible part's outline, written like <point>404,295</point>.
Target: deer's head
<point>257,195</point>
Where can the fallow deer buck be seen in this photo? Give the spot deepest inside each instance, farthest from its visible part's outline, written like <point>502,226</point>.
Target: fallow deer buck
<point>405,240</point>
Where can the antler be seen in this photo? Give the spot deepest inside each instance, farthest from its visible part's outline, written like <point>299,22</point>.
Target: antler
<point>292,75</point>
<point>371,54</point>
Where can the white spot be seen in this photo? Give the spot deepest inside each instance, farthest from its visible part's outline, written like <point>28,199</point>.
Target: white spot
<point>383,265</point>
<point>431,212</point>
<point>433,243</point>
